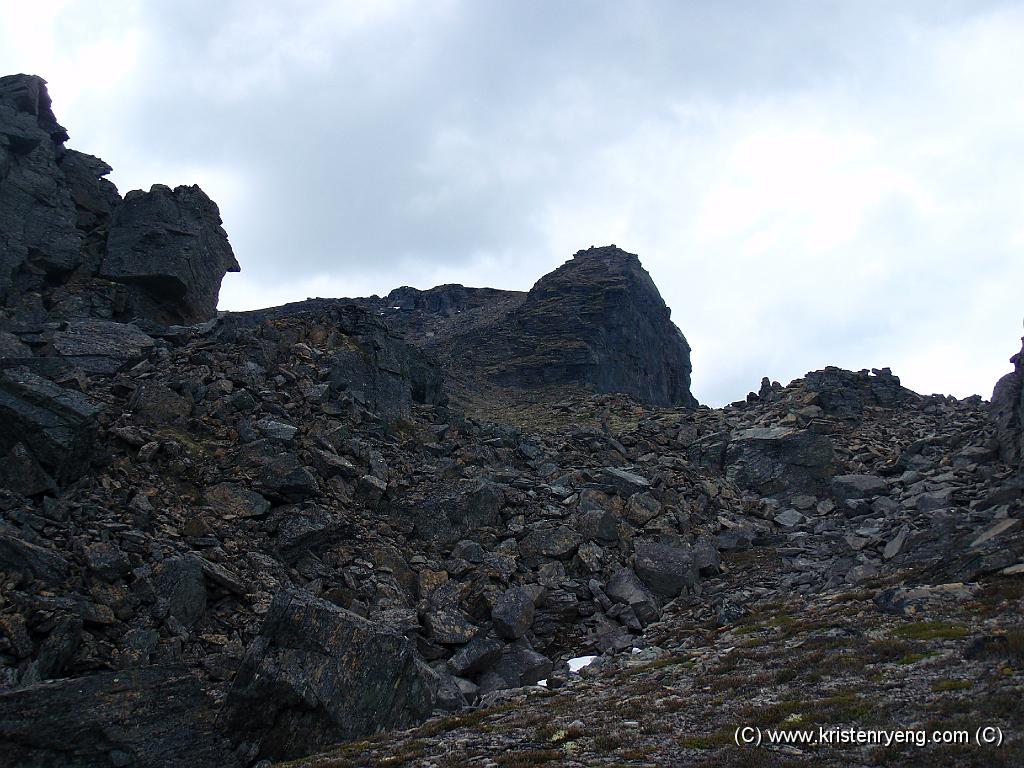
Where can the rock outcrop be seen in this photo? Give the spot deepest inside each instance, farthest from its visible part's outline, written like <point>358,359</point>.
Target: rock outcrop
<point>597,323</point>
<point>70,247</point>
<point>1008,412</point>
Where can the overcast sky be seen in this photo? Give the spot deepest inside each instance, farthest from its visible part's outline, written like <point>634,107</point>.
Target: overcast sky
<point>808,183</point>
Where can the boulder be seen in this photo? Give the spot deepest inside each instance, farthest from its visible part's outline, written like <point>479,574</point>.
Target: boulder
<point>846,487</point>
<point>778,460</point>
<point>171,245</point>
<point>559,543</point>
<point>179,580</point>
<point>56,425</point>
<point>20,556</point>
<point>625,587</point>
<point>477,655</point>
<point>101,346</point>
<point>317,675</point>
<point>666,570</point>
<point>125,719</point>
<point>513,613</point>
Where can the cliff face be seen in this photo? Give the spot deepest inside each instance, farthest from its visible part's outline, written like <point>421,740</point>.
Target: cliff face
<point>1008,412</point>
<point>70,247</point>
<point>597,323</point>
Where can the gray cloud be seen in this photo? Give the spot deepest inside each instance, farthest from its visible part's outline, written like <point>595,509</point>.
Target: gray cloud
<point>808,182</point>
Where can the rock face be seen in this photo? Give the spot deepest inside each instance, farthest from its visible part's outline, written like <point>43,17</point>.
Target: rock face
<point>599,321</point>
<point>128,719</point>
<point>1008,412</point>
<point>318,674</point>
<point>172,246</point>
<point>70,247</point>
<point>596,323</point>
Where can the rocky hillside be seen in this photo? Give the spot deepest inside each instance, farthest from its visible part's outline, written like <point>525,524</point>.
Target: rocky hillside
<point>363,532</point>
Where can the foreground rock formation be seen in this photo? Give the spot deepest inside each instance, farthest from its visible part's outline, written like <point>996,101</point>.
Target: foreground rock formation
<point>256,535</point>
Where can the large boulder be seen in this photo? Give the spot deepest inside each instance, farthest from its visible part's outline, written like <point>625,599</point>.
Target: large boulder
<point>318,674</point>
<point>779,460</point>
<point>126,719</point>
<point>171,244</point>
<point>1007,409</point>
<point>664,569</point>
<point>57,425</point>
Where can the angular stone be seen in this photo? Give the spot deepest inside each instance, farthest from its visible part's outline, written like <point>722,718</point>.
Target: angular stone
<point>625,587</point>
<point>623,482</point>
<point>477,655</point>
<point>929,502</point>
<point>107,561</point>
<point>858,486</point>
<point>276,430</point>
<point>520,665</point>
<point>229,499</point>
<point>776,460</point>
<point>558,543</point>
<point>101,346</point>
<point>57,425</point>
<point>642,508</point>
<point>20,556</point>
<point>513,613</point>
<point>449,626</point>
<point>179,580</point>
<point>317,675</point>
<point>666,570</point>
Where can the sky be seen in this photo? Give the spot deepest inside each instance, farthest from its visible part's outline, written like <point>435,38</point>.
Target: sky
<point>809,183</point>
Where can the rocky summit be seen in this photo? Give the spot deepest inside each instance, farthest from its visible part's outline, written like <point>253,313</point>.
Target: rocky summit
<point>463,526</point>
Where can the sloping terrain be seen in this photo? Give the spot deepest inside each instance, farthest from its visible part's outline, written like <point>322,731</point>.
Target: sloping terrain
<point>362,532</point>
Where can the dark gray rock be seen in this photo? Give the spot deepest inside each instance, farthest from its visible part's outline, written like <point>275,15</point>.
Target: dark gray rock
<point>229,499</point>
<point>318,674</point>
<point>520,665</point>
<point>124,719</point>
<point>309,529</point>
<point>477,655</point>
<point>171,245</point>
<point>858,486</point>
<point>596,321</point>
<point>777,460</point>
<point>847,393</point>
<point>1007,412</point>
<point>559,543</point>
<point>513,613</point>
<point>666,570</point>
<point>57,425</point>
<point>179,580</point>
<point>21,473</point>
<point>100,346</point>
<point>625,587</point>
<point>107,561</point>
<point>450,626</point>
<point>20,556</point>
<point>37,213</point>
